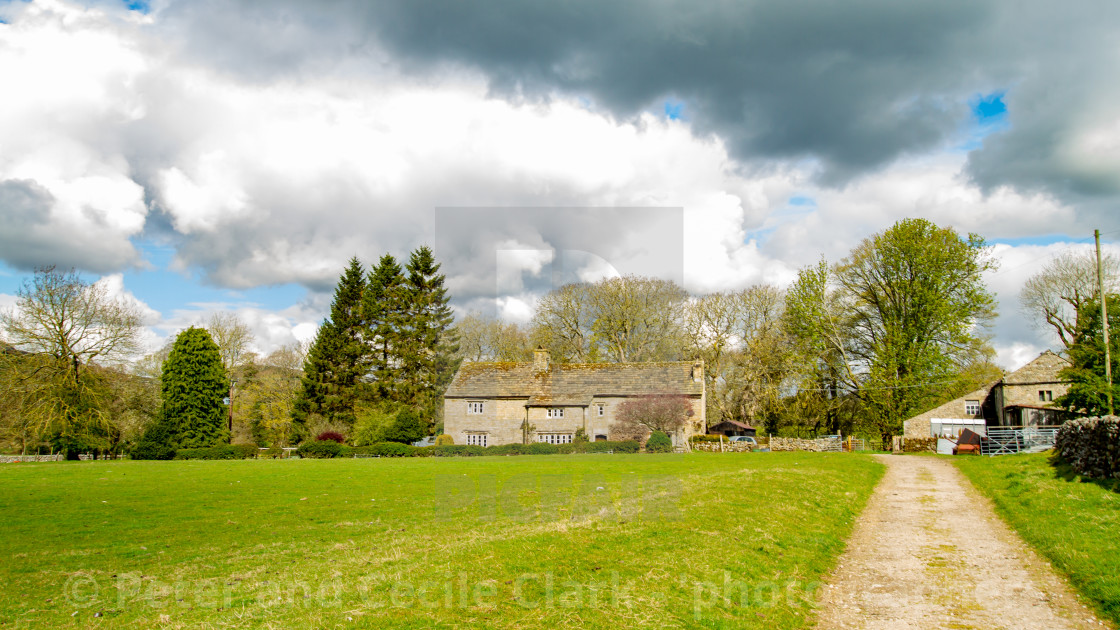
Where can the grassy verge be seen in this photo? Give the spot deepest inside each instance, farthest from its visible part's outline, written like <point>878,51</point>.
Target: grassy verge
<point>701,540</point>
<point>1073,522</point>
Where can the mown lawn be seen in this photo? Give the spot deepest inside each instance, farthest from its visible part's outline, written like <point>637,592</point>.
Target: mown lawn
<point>1073,521</point>
<point>700,540</point>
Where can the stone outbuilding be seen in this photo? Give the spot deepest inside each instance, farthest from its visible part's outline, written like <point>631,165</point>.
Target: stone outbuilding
<point>509,402</point>
<point>731,428</point>
<point>1023,398</point>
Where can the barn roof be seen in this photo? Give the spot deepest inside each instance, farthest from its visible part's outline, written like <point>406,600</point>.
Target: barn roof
<point>572,384</point>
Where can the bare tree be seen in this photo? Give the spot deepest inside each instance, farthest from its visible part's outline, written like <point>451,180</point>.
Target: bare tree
<point>483,338</point>
<point>233,338</point>
<point>563,321</point>
<point>1053,295</point>
<point>626,319</point>
<point>76,323</point>
<point>740,337</point>
<point>67,327</point>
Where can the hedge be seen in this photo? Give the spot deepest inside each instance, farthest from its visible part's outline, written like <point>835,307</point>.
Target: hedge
<point>658,442</point>
<point>229,451</point>
<point>319,449</point>
<point>1091,446</point>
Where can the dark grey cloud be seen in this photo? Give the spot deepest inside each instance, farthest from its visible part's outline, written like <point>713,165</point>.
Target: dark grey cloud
<point>849,86</point>
<point>30,237</point>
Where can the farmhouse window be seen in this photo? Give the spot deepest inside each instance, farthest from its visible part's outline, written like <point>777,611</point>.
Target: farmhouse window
<point>972,407</point>
<point>474,407</point>
<point>476,439</point>
<point>555,412</point>
<point>555,438</point>
<point>1045,396</point>
<point>601,410</point>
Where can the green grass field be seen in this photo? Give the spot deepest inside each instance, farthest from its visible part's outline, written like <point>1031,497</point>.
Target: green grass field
<point>701,540</point>
<point>1074,522</point>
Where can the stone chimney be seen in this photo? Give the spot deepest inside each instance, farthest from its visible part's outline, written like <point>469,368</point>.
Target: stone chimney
<point>540,359</point>
<point>698,371</point>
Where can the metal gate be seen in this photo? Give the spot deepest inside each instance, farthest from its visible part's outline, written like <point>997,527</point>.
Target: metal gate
<point>1010,440</point>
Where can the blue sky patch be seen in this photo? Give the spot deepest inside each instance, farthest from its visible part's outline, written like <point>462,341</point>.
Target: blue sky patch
<point>138,5</point>
<point>674,110</point>
<point>800,200</point>
<point>988,108</point>
<point>1042,239</point>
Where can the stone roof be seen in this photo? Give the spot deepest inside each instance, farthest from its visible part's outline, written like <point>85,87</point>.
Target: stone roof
<point>572,384</point>
<point>1042,369</point>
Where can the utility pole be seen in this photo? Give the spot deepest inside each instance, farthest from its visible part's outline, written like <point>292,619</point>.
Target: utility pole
<point>1104,320</point>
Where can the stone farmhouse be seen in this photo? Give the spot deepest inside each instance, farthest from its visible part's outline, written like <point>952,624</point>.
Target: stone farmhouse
<point>497,403</point>
<point>1024,398</point>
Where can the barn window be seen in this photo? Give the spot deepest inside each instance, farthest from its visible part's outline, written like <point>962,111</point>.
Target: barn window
<point>972,407</point>
<point>474,407</point>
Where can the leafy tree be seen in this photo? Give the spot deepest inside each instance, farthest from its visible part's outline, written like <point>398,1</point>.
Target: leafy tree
<point>1088,389</point>
<point>897,319</point>
<point>427,340</point>
<point>1056,294</point>
<point>386,304</point>
<point>338,358</point>
<point>192,388</point>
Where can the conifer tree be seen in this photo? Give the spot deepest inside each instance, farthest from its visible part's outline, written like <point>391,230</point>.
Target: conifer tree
<point>338,358</point>
<point>386,305</point>
<point>193,386</point>
<point>428,343</point>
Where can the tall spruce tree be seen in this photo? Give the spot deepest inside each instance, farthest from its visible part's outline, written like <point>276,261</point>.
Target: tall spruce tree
<point>192,386</point>
<point>386,306</point>
<point>428,343</point>
<point>338,358</point>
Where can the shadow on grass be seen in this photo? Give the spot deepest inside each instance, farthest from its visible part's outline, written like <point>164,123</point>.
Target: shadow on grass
<point>1065,472</point>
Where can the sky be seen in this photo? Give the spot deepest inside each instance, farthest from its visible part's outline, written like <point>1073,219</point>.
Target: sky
<point>202,156</point>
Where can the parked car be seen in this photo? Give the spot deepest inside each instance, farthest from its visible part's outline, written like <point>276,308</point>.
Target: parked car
<point>744,438</point>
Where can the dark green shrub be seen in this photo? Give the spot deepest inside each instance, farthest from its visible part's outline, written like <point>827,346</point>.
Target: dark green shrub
<point>568,449</point>
<point>246,451</point>
<point>345,451</point>
<point>319,450</point>
<point>658,442</point>
<point>235,451</point>
<point>406,427</point>
<point>155,443</point>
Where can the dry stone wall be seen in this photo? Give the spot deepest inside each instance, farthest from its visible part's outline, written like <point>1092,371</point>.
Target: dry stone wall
<point>818,445</point>
<point>1091,446</point>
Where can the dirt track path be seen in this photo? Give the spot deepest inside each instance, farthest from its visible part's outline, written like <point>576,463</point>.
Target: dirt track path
<point>929,552</point>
